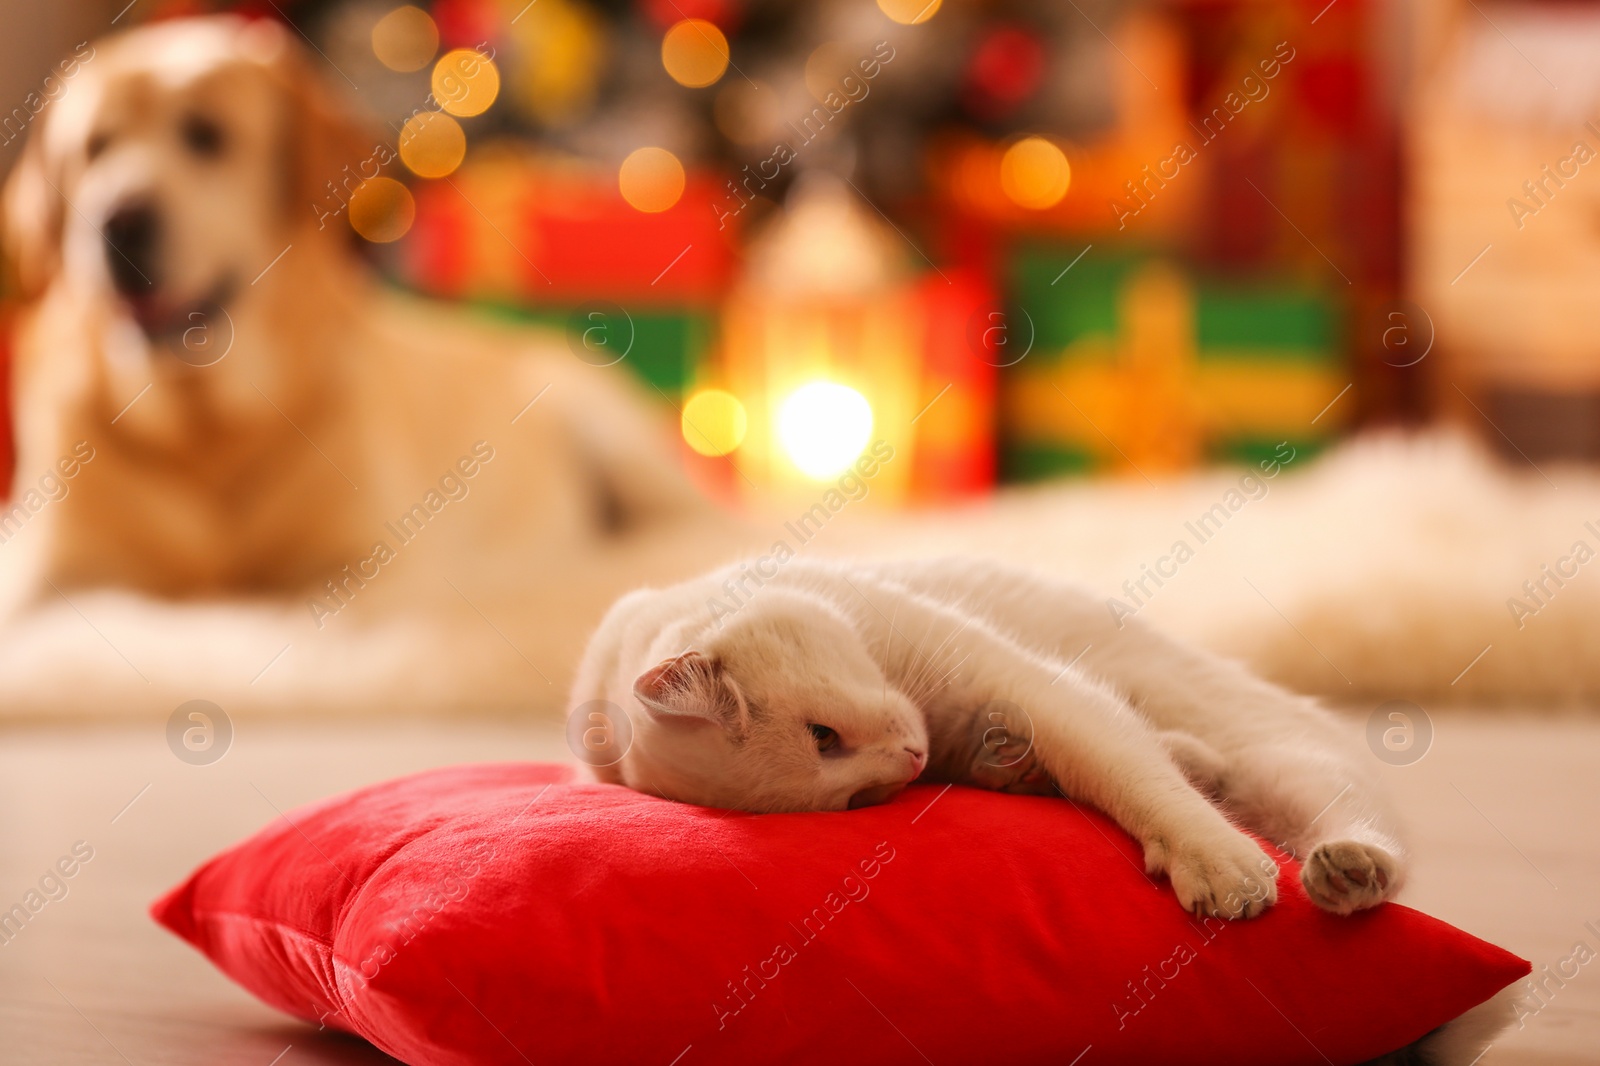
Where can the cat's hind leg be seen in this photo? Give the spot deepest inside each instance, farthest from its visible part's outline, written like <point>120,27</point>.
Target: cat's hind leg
<point>1328,813</point>
<point>1202,764</point>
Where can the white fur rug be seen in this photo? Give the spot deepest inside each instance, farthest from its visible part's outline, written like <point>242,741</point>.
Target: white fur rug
<point>1381,570</point>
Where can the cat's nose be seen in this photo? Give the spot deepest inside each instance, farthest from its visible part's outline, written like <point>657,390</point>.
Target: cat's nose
<point>919,759</point>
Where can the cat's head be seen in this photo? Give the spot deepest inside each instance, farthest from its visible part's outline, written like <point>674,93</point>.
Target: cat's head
<point>781,709</point>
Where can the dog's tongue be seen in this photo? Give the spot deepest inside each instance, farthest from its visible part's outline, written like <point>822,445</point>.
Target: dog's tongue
<point>168,319</point>
<point>164,320</point>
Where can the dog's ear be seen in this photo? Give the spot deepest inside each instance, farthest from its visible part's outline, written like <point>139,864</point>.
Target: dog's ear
<point>33,217</point>
<point>328,148</point>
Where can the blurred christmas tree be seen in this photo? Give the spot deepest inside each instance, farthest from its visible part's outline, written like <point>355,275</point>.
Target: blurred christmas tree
<point>761,90</point>
<point>627,159</point>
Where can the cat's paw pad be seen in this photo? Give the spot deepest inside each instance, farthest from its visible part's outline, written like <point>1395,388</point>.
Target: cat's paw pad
<point>1344,876</point>
<point>1228,878</point>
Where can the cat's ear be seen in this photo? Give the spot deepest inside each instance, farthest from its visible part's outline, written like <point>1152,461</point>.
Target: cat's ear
<point>691,686</point>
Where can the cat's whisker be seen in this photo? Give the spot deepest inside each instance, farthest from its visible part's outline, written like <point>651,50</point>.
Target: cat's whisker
<point>924,674</point>
<point>921,661</point>
<point>954,671</point>
<point>916,686</point>
<point>888,643</point>
<point>943,681</point>
<point>895,631</point>
<point>926,666</point>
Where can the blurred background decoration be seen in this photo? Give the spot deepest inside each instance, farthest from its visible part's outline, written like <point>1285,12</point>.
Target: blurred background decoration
<point>1016,239</point>
<point>1506,125</point>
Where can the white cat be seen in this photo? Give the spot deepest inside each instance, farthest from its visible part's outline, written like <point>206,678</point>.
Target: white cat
<point>833,685</point>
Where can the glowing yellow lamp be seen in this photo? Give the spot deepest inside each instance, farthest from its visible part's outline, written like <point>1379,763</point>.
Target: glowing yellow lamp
<point>824,426</point>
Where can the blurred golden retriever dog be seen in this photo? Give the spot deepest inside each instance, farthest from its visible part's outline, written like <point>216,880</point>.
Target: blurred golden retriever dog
<point>260,413</point>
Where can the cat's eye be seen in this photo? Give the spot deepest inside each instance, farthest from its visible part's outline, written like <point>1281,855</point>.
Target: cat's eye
<point>827,739</point>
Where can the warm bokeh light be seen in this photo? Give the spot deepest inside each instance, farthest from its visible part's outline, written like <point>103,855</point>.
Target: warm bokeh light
<point>1035,173</point>
<point>382,210</point>
<point>827,67</point>
<point>405,39</point>
<point>747,112</point>
<point>823,427</point>
<point>695,53</point>
<point>557,58</point>
<point>651,179</point>
<point>432,144</point>
<point>909,12</point>
<point>465,82</point>
<point>714,422</point>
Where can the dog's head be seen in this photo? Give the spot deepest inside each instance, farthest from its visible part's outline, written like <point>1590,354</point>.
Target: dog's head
<point>174,164</point>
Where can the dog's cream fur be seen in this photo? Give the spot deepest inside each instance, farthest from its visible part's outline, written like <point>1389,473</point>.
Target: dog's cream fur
<point>331,409</point>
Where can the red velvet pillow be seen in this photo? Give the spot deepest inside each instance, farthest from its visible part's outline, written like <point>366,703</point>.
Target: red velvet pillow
<point>502,914</point>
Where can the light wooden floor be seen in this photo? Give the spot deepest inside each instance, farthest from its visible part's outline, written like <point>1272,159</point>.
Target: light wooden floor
<point>1505,810</point>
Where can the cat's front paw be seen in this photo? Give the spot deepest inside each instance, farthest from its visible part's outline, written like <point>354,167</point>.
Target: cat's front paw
<point>1226,877</point>
<point>1344,876</point>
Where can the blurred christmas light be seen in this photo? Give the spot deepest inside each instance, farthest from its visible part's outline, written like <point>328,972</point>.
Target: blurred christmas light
<point>559,53</point>
<point>1035,173</point>
<point>695,53</point>
<point>405,39</point>
<point>823,427</point>
<point>665,13</point>
<point>432,144</point>
<point>747,112</point>
<point>381,210</point>
<point>465,82</point>
<point>827,67</point>
<point>714,422</point>
<point>975,179</point>
<point>651,179</point>
<point>1006,68</point>
<point>909,12</point>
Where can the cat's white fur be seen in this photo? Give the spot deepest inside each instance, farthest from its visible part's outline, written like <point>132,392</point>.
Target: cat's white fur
<point>966,670</point>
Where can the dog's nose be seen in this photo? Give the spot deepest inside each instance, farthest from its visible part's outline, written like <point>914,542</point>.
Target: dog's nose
<point>133,234</point>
